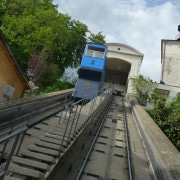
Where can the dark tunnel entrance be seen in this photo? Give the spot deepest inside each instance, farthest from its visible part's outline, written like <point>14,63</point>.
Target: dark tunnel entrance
<point>117,72</point>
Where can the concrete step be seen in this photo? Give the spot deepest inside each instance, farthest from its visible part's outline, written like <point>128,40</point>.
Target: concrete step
<point>54,141</point>
<point>42,150</point>
<point>31,163</point>
<point>61,133</point>
<point>62,128</point>
<point>47,145</point>
<point>25,171</point>
<point>39,156</point>
<point>11,178</point>
<point>54,136</point>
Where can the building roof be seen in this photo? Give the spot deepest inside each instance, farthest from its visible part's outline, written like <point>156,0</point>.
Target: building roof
<point>13,61</point>
<point>127,49</point>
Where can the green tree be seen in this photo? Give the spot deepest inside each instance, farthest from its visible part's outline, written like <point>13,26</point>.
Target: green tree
<point>22,25</point>
<point>143,88</point>
<point>36,27</point>
<point>173,122</point>
<point>97,38</point>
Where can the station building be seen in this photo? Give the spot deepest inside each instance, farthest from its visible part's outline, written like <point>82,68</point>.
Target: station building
<point>123,63</point>
<point>169,85</point>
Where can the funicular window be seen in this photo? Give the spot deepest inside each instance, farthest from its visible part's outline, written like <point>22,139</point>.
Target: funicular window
<point>90,75</point>
<point>95,52</point>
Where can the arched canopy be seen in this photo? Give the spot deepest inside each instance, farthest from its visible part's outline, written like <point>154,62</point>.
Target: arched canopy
<point>122,61</point>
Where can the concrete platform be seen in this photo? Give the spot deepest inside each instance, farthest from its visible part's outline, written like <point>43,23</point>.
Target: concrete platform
<point>142,169</point>
<point>164,157</point>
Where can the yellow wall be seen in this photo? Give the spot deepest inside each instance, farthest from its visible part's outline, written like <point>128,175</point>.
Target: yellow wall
<point>8,75</point>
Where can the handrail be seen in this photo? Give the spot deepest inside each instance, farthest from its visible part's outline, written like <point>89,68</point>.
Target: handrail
<point>19,122</point>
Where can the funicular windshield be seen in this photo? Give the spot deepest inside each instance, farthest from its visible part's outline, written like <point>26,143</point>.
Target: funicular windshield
<point>96,52</point>
<point>90,75</point>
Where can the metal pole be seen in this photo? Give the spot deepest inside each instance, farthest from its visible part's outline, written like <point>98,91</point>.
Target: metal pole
<point>11,154</point>
<point>65,130</point>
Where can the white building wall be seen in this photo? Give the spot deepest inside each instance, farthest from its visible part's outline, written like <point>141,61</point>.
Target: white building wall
<point>170,62</point>
<point>128,54</point>
<point>135,71</point>
<point>173,90</point>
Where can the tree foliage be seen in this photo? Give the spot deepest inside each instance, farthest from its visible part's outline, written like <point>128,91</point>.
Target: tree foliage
<point>143,88</point>
<point>35,27</point>
<point>97,38</point>
<point>167,116</point>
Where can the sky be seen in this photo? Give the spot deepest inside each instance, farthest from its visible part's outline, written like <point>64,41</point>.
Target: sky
<point>141,24</point>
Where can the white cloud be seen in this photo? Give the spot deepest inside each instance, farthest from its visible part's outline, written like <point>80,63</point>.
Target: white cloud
<point>137,23</point>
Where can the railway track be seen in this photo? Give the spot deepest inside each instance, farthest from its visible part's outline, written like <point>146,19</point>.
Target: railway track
<point>60,146</point>
<point>108,157</point>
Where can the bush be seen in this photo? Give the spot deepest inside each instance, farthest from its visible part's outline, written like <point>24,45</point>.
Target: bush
<point>167,116</point>
<point>58,86</point>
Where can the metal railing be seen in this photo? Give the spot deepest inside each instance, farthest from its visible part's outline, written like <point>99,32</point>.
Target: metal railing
<point>13,126</point>
<point>72,113</point>
<point>14,131</point>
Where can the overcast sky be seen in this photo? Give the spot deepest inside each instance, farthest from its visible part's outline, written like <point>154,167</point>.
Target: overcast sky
<point>140,24</point>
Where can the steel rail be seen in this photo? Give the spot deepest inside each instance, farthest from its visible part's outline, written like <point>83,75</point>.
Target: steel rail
<point>97,134</point>
<point>127,143</point>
